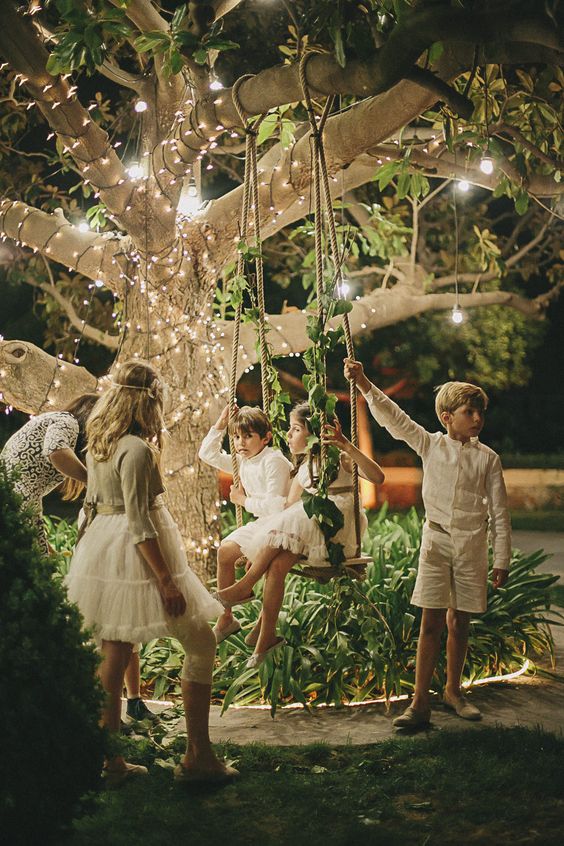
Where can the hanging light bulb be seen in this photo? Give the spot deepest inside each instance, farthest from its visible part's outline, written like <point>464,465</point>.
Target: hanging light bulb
<point>141,106</point>
<point>83,226</point>
<point>135,171</point>
<point>216,85</point>
<point>457,315</point>
<point>189,203</point>
<point>486,164</point>
<point>343,289</point>
<point>463,185</point>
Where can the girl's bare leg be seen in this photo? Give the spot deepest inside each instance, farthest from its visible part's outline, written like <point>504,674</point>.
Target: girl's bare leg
<point>227,555</point>
<point>116,655</point>
<point>133,677</point>
<point>273,596</point>
<point>259,566</point>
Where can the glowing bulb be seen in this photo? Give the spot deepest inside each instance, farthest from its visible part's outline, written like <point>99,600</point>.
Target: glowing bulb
<point>83,226</point>
<point>135,171</point>
<point>141,106</point>
<point>486,165</point>
<point>99,283</point>
<point>457,317</point>
<point>344,289</point>
<point>189,202</point>
<point>216,85</point>
<point>463,185</point>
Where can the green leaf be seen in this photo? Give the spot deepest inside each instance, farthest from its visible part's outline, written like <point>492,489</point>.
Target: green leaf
<point>178,17</point>
<point>267,128</point>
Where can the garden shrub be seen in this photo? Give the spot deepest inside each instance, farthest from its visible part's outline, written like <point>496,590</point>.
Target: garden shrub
<point>52,747</point>
<point>353,641</point>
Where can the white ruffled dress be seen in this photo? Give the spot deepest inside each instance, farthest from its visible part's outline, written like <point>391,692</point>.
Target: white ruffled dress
<point>110,581</point>
<point>293,530</point>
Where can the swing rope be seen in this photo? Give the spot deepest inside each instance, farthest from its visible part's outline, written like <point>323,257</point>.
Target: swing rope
<point>321,180</point>
<point>250,202</point>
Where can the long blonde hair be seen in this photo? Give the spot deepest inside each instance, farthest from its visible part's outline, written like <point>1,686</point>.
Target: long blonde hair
<point>81,409</point>
<point>133,405</point>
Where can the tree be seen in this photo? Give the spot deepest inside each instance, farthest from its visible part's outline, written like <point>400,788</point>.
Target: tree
<point>427,90</point>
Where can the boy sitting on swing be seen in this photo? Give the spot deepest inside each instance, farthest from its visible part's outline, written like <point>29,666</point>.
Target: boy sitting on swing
<point>265,482</point>
<point>462,487</point>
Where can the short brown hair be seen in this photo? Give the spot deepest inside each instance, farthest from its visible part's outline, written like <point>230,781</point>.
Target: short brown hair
<point>452,395</point>
<point>250,420</point>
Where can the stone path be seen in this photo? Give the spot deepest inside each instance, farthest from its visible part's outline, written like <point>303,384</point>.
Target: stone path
<point>525,701</point>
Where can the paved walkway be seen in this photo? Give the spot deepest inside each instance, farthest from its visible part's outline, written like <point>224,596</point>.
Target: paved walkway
<point>524,701</point>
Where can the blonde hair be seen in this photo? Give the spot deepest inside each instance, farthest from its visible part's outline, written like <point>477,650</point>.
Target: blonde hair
<point>133,405</point>
<point>452,395</point>
<point>81,409</point>
<point>250,420</point>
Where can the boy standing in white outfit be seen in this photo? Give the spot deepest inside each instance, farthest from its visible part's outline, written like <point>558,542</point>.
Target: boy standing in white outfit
<point>265,482</point>
<point>463,491</point>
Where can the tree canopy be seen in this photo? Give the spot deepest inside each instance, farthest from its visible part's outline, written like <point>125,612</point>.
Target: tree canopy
<point>122,138</point>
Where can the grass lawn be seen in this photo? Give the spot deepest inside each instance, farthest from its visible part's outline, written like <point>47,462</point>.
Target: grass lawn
<point>486,786</point>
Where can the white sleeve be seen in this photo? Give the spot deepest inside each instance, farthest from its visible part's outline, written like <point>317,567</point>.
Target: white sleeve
<point>277,483</point>
<point>500,524</point>
<point>62,433</point>
<point>399,424</point>
<point>212,453</point>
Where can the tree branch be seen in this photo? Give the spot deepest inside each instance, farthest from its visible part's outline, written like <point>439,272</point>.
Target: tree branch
<point>92,254</point>
<point>33,381</point>
<point>383,307</point>
<point>85,141</point>
<point>90,332</point>
<point>472,278</point>
<point>508,22</point>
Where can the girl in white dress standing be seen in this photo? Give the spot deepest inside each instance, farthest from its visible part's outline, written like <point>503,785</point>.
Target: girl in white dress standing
<point>285,538</point>
<point>129,575</point>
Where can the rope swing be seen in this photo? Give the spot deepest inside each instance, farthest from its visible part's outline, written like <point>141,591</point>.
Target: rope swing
<point>254,283</point>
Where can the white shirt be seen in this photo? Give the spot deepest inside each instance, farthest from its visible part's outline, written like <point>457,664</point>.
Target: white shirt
<point>462,483</point>
<point>265,477</point>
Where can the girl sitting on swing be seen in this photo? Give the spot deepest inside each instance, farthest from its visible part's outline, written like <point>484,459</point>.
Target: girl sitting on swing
<point>290,535</point>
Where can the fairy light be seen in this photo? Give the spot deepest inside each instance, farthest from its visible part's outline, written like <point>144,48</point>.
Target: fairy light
<point>486,164</point>
<point>463,185</point>
<point>141,106</point>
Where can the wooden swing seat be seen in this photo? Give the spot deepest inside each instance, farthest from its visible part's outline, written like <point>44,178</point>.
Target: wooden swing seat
<point>354,568</point>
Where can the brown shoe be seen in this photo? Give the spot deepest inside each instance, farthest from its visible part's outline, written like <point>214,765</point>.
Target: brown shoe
<point>462,707</point>
<point>113,778</point>
<point>219,776</point>
<point>412,719</point>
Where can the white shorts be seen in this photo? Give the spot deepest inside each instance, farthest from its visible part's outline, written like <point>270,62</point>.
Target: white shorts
<point>453,572</point>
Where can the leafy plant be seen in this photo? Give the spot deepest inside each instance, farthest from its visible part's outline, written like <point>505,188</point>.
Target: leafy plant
<point>52,747</point>
<point>353,641</point>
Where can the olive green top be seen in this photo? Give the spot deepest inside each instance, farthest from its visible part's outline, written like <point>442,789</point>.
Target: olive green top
<point>130,479</point>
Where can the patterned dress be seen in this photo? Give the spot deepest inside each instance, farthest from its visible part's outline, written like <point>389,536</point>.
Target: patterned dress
<point>27,453</point>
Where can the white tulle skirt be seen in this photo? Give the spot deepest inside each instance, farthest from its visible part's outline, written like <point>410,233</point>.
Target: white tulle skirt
<point>293,530</point>
<point>115,589</point>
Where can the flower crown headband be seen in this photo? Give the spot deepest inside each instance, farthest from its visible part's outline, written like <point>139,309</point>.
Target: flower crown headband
<point>151,389</point>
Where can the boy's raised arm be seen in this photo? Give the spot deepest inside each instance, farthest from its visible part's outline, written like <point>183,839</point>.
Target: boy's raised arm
<point>386,412</point>
<point>211,451</point>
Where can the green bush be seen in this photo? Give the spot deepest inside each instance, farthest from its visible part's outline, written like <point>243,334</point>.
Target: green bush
<point>52,747</point>
<point>352,641</point>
